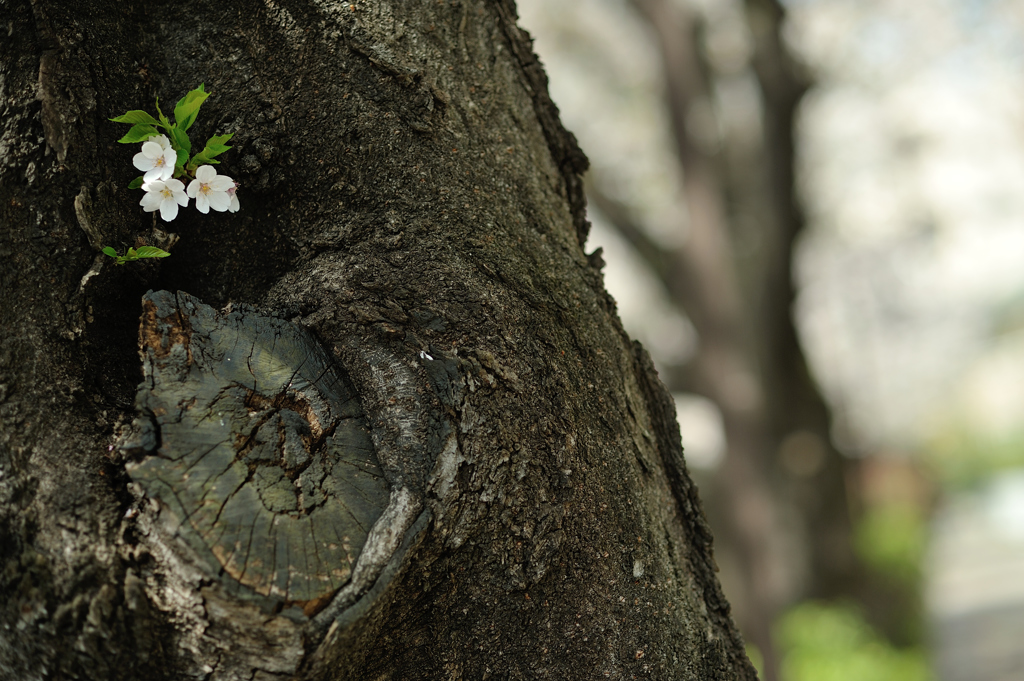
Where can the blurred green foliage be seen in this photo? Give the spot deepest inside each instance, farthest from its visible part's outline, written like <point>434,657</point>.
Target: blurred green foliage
<point>833,642</point>
<point>963,457</point>
<point>891,539</point>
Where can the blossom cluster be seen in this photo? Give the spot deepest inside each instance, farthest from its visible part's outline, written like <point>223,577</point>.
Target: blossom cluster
<point>165,158</point>
<point>165,193</point>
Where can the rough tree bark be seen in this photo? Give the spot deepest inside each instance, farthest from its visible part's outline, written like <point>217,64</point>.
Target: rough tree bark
<point>442,458</point>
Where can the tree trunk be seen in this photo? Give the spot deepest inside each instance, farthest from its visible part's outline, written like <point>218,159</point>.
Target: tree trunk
<point>442,458</point>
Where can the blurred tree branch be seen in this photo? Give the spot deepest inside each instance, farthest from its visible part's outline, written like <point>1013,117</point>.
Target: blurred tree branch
<point>749,359</point>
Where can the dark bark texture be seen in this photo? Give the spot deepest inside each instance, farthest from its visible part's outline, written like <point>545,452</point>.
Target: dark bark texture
<point>386,424</point>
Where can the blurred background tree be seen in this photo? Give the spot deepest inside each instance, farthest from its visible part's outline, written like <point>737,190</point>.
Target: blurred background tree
<point>840,384</point>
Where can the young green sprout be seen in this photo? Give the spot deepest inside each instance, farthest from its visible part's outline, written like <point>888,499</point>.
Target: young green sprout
<point>135,254</point>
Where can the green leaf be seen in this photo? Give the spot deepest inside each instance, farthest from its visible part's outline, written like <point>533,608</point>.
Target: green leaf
<point>214,147</point>
<point>137,182</point>
<point>207,154</point>
<point>180,141</point>
<point>187,108</point>
<point>200,159</point>
<point>219,139</point>
<point>135,254</point>
<point>139,133</point>
<point>151,252</point>
<point>182,158</point>
<point>163,119</point>
<point>136,116</point>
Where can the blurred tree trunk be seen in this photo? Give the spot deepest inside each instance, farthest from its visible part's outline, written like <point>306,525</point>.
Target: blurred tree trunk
<point>411,228</point>
<point>814,472</point>
<point>781,487</point>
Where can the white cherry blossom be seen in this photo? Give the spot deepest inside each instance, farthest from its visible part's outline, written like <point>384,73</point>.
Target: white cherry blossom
<point>210,190</point>
<point>156,159</point>
<point>233,206</point>
<point>165,195</point>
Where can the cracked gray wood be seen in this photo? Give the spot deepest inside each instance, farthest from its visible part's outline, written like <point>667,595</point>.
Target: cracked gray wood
<point>261,454</point>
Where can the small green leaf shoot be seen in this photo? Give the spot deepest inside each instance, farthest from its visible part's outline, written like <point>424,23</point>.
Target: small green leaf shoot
<point>140,132</point>
<point>163,119</point>
<point>135,254</point>
<point>219,139</point>
<point>187,108</point>
<point>180,141</point>
<point>136,116</point>
<point>151,252</point>
<point>214,147</point>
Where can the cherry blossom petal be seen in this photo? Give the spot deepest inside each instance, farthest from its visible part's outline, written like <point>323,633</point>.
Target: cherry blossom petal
<point>202,203</point>
<point>219,201</point>
<point>142,162</point>
<point>221,183</point>
<point>165,197</point>
<point>168,210</point>
<point>152,149</point>
<point>151,201</point>
<point>205,174</point>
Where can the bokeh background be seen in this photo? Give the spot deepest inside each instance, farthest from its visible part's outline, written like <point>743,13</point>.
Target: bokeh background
<point>812,215</point>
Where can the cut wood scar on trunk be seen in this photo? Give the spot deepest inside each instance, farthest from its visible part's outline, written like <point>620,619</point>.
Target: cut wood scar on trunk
<point>260,456</point>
